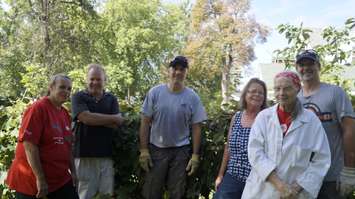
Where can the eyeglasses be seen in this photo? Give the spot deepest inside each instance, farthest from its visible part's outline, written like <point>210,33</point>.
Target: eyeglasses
<point>255,92</point>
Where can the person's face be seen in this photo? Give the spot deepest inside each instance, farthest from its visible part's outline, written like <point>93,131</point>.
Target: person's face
<point>177,74</point>
<point>285,91</point>
<point>95,81</point>
<point>60,90</point>
<point>308,69</point>
<point>255,96</point>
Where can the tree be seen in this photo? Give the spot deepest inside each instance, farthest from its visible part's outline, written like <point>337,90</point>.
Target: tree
<point>334,53</point>
<point>220,43</point>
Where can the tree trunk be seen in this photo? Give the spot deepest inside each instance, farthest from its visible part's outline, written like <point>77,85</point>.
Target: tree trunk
<point>45,27</point>
<point>226,79</point>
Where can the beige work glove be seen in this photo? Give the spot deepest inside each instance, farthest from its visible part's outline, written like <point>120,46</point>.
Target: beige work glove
<point>346,181</point>
<point>193,164</point>
<point>145,160</point>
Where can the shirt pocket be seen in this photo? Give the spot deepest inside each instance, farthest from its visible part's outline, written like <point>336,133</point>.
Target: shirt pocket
<point>302,156</point>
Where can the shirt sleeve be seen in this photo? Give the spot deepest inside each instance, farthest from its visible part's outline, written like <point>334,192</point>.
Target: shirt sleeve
<point>343,104</point>
<point>199,113</point>
<point>78,105</point>
<point>32,127</point>
<point>258,158</point>
<point>147,108</point>
<point>312,178</point>
<point>115,107</point>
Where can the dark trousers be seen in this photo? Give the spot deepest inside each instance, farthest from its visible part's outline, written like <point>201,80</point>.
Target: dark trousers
<point>67,191</point>
<point>169,171</point>
<point>328,191</point>
<point>230,188</point>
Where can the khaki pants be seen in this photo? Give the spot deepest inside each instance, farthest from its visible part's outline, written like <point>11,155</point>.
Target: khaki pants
<point>95,175</point>
<point>169,171</point>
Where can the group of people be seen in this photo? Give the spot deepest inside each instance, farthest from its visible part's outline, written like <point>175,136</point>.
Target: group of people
<point>302,147</point>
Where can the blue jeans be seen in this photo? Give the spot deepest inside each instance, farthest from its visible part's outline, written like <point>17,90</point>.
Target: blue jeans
<point>230,188</point>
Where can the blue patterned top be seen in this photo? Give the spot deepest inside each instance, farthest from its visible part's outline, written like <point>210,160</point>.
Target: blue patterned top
<point>238,164</point>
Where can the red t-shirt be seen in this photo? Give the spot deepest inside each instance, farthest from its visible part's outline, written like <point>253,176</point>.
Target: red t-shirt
<point>285,119</point>
<point>48,127</point>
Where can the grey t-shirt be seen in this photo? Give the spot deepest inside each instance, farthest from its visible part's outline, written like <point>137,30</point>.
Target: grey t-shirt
<point>172,115</point>
<point>330,103</point>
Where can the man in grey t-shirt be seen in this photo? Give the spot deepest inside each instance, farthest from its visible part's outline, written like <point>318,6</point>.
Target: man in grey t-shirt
<point>335,111</point>
<point>170,111</point>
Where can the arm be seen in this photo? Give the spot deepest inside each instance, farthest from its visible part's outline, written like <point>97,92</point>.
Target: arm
<point>73,171</point>
<point>225,158</point>
<point>311,179</point>
<point>258,159</point>
<point>32,154</point>
<point>144,131</point>
<point>196,138</point>
<point>348,127</point>
<point>98,119</point>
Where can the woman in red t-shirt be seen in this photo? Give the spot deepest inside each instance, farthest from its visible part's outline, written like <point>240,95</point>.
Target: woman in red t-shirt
<point>43,164</point>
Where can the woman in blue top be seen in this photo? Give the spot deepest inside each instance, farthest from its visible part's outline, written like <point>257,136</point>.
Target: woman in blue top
<point>235,167</point>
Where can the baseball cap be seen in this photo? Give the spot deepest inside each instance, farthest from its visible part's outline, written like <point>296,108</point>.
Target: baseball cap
<point>179,60</point>
<point>307,54</point>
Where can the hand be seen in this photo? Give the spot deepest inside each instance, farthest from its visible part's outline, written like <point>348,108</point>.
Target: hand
<point>217,182</point>
<point>119,119</point>
<point>285,190</point>
<point>145,160</point>
<point>296,189</point>
<point>42,187</point>
<point>193,164</point>
<point>346,182</point>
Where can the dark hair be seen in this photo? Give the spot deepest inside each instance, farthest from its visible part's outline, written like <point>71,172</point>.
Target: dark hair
<point>179,60</point>
<point>243,103</point>
<point>53,80</point>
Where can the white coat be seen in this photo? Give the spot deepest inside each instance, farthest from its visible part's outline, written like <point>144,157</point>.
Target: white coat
<point>301,156</point>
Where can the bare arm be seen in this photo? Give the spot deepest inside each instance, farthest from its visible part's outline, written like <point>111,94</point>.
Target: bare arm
<point>225,158</point>
<point>32,154</point>
<point>98,119</point>
<point>348,127</point>
<point>196,138</point>
<point>144,131</point>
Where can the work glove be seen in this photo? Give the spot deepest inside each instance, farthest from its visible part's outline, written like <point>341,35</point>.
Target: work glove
<point>193,164</point>
<point>346,181</point>
<point>145,160</point>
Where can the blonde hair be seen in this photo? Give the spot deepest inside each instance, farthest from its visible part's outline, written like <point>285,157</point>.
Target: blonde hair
<point>99,67</point>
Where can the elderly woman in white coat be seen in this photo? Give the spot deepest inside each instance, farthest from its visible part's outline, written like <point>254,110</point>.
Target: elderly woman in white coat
<point>288,148</point>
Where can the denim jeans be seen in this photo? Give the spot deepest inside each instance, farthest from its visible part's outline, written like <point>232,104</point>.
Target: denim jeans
<point>230,188</point>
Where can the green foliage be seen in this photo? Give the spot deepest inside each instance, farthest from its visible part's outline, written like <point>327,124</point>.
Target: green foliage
<point>333,52</point>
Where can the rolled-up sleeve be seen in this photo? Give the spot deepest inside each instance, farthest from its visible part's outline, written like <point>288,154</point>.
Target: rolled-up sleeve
<point>258,159</point>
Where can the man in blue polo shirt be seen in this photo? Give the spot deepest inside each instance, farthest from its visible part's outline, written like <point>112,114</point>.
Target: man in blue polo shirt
<point>95,114</point>
<point>171,110</point>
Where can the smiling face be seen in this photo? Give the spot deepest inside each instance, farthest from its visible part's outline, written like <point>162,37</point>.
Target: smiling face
<point>95,81</point>
<point>308,70</point>
<point>60,90</point>
<point>177,74</point>
<point>255,96</point>
<point>285,92</point>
